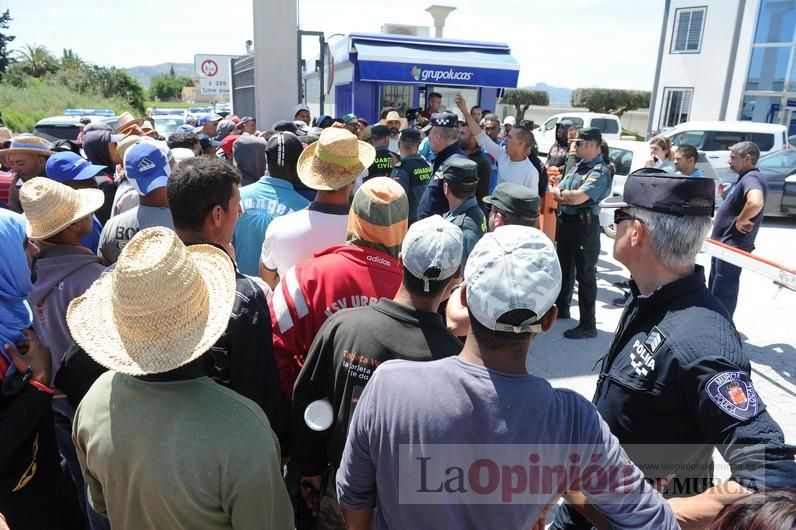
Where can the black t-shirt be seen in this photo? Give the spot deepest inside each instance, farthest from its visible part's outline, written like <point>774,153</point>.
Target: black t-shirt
<point>345,353</point>
<point>724,224</point>
<point>382,164</point>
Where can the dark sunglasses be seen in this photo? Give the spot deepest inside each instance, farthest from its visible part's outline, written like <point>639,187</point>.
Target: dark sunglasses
<point>620,215</point>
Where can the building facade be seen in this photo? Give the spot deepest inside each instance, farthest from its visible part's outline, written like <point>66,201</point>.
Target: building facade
<point>726,60</point>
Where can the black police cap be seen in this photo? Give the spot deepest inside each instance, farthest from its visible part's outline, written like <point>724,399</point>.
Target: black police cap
<point>410,135</point>
<point>590,133</point>
<point>444,119</point>
<point>659,191</point>
<point>379,131</point>
<point>461,173</point>
<point>515,199</point>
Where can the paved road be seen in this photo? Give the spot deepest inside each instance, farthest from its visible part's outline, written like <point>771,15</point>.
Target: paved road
<point>765,318</point>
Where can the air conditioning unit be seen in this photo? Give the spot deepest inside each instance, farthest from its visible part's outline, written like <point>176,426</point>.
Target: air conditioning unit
<point>403,29</point>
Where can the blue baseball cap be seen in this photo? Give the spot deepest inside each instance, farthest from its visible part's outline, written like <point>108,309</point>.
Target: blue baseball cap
<point>206,141</point>
<point>147,167</point>
<point>184,128</point>
<point>67,166</point>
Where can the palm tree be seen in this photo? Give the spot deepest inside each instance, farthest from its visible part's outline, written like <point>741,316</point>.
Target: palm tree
<point>36,60</point>
<point>70,61</point>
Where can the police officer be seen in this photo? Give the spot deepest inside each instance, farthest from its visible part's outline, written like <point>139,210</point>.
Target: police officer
<point>412,171</point>
<point>676,372</point>
<point>578,196</point>
<point>460,179</point>
<point>443,138</point>
<point>512,204</point>
<point>382,164</point>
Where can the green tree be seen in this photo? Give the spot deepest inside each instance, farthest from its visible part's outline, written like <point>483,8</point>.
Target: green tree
<point>5,60</point>
<point>110,82</point>
<point>168,86</point>
<point>610,101</point>
<point>70,61</point>
<point>522,99</point>
<point>37,61</point>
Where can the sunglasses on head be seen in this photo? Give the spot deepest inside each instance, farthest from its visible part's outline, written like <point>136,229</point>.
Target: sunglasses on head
<point>621,215</point>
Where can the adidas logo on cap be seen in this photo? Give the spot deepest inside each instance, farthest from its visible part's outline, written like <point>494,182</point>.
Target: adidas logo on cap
<point>145,165</point>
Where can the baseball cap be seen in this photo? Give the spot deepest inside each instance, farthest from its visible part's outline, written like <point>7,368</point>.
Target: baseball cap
<point>410,135</point>
<point>208,118</point>
<point>444,119</point>
<point>510,120</point>
<point>589,133</point>
<point>147,167</point>
<point>348,118</point>
<point>67,166</point>
<point>185,127</point>
<point>379,131</point>
<point>245,119</point>
<point>515,199</point>
<point>282,153</point>
<point>205,141</point>
<point>228,143</point>
<point>432,249</point>
<point>284,125</point>
<point>298,108</point>
<point>461,173</point>
<point>514,267</point>
<point>659,191</point>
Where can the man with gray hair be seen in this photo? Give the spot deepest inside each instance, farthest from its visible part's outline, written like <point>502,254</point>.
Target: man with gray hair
<point>676,383</point>
<point>738,220</point>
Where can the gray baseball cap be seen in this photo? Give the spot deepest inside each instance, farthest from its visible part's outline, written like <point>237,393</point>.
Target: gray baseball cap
<point>514,267</point>
<point>432,249</point>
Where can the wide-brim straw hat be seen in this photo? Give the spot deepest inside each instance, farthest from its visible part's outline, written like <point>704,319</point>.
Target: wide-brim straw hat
<point>163,306</point>
<point>29,144</point>
<point>335,160</point>
<point>50,206</point>
<point>393,116</point>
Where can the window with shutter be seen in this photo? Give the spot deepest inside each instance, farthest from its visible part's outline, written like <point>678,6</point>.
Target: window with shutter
<point>687,34</point>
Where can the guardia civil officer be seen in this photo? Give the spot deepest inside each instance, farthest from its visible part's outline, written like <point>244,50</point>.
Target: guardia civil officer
<point>412,171</point>
<point>460,177</point>
<point>382,164</point>
<point>578,196</point>
<point>676,383</point>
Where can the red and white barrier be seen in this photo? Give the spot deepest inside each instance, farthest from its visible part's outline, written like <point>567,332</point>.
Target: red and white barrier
<point>777,273</point>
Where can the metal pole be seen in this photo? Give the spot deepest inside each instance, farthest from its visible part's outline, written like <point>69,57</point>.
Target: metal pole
<point>298,67</point>
<point>322,76</point>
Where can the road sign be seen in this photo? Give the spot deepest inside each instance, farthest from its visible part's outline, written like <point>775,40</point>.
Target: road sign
<point>213,71</point>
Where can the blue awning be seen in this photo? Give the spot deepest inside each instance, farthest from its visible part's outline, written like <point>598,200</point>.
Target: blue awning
<point>435,64</point>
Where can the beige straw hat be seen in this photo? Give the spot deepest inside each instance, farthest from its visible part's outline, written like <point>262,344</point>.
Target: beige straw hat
<point>394,116</point>
<point>163,306</point>
<point>335,160</point>
<point>28,144</point>
<point>50,206</point>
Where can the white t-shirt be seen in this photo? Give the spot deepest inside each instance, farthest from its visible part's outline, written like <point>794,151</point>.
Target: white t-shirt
<point>521,172</point>
<point>296,236</point>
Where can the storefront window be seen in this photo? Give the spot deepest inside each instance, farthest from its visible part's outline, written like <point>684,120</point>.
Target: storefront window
<point>398,96</point>
<point>450,92</point>
<point>768,68</point>
<point>776,21</point>
<point>764,109</point>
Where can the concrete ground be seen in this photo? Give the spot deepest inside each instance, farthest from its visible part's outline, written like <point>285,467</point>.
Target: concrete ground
<point>766,318</point>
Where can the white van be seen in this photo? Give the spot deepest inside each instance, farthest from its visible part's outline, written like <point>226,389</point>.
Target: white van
<point>716,137</point>
<point>609,124</point>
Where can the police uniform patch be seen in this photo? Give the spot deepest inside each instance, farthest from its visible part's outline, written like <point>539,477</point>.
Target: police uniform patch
<point>654,340</point>
<point>733,393</point>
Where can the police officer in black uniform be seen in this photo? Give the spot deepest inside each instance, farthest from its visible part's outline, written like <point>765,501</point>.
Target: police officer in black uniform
<point>460,180</point>
<point>578,196</point>
<point>382,164</point>
<point>412,171</point>
<point>676,383</point>
<point>443,137</point>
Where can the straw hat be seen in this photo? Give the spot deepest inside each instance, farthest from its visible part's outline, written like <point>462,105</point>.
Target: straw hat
<point>163,306</point>
<point>394,116</point>
<point>127,123</point>
<point>28,144</point>
<point>50,206</point>
<point>335,160</point>
<point>5,134</point>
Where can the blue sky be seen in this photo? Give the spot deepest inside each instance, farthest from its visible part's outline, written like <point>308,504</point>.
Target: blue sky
<point>569,43</point>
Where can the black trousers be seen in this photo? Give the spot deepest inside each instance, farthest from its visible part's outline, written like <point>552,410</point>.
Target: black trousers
<point>578,250</point>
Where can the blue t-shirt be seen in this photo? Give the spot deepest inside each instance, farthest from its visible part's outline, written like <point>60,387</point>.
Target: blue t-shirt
<point>261,202</point>
<point>724,223</point>
<point>446,455</point>
<point>92,239</point>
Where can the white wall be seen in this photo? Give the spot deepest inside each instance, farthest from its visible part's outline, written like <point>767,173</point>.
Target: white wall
<point>706,71</point>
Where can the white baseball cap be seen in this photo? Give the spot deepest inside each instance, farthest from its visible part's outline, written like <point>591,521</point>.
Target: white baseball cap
<point>432,249</point>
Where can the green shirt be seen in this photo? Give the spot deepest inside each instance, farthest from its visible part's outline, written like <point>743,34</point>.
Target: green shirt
<point>592,178</point>
<point>179,454</point>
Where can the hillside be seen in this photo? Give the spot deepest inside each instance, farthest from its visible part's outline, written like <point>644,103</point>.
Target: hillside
<point>143,74</point>
<point>558,95</point>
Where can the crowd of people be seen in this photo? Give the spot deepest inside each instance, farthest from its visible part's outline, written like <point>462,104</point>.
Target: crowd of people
<point>331,323</point>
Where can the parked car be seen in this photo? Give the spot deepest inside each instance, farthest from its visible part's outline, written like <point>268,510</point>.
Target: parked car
<point>716,137</point>
<point>779,170</point>
<point>609,124</point>
<point>628,156</point>
<point>67,127</point>
<point>166,124</point>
